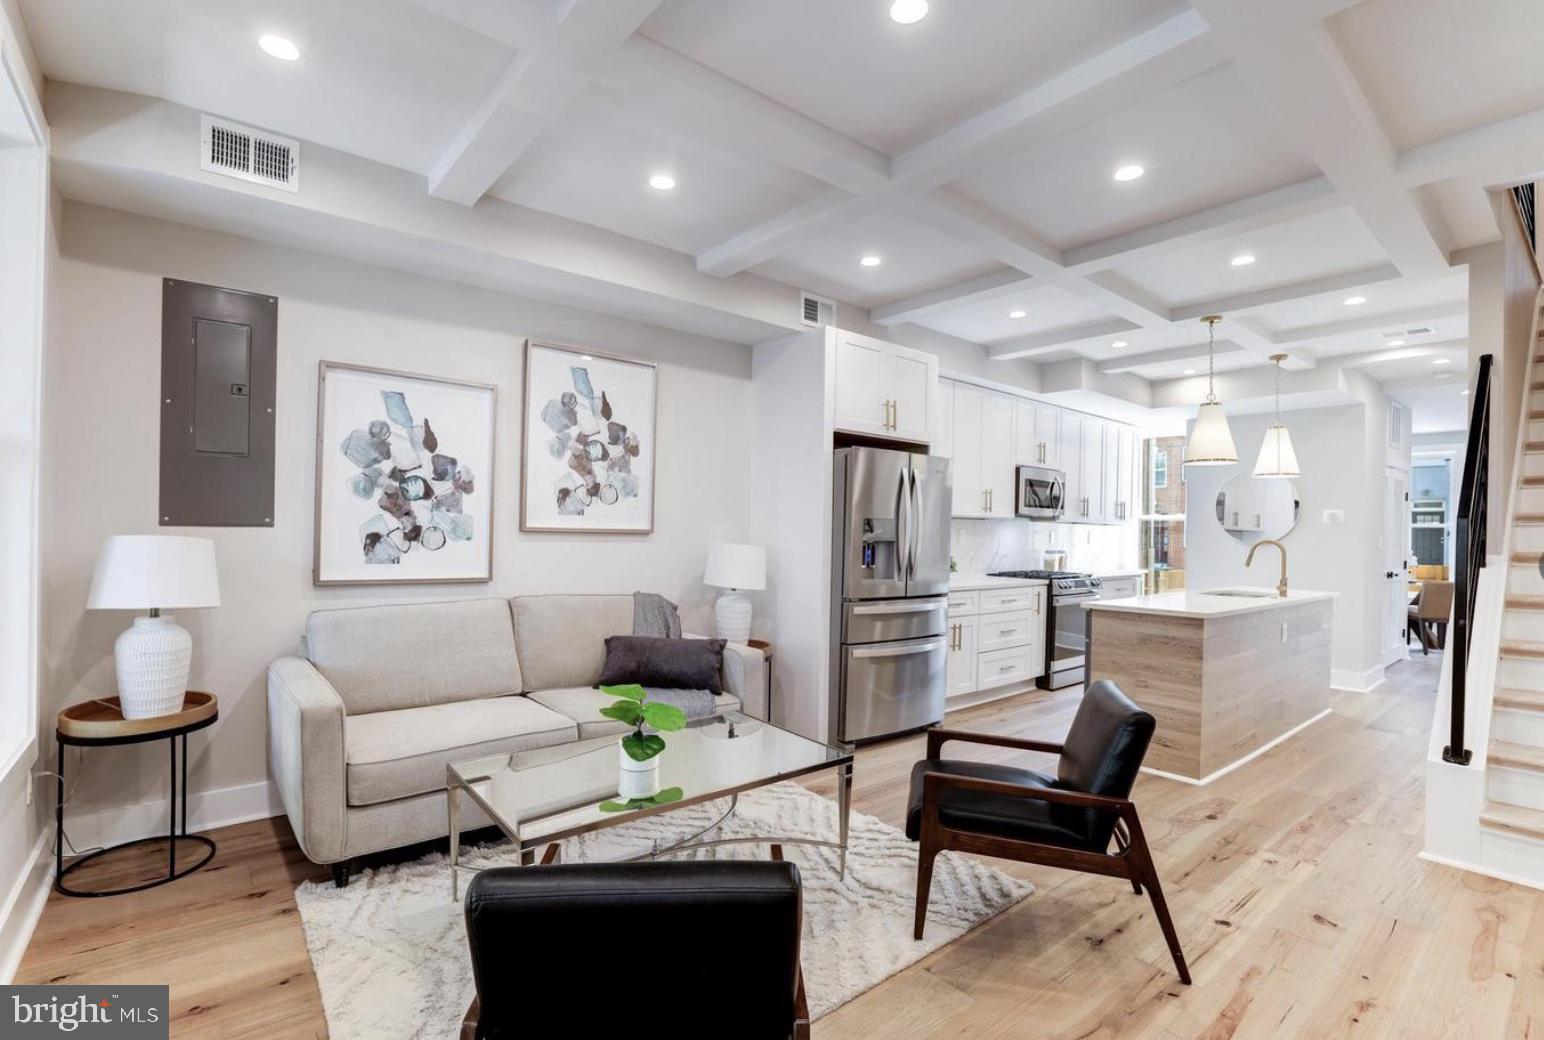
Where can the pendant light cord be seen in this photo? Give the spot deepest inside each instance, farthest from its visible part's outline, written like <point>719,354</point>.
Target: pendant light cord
<point>1211,360</point>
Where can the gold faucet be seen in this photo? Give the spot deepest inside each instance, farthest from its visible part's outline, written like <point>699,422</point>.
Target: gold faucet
<point>1281,586</point>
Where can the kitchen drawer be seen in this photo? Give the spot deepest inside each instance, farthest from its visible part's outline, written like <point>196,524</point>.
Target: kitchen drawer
<point>1002,667</point>
<point>1028,597</point>
<point>1001,631</point>
<point>964,602</point>
<point>1119,588</point>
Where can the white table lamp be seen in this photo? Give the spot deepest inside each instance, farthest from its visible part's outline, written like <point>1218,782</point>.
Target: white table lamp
<point>153,572</point>
<point>734,567</point>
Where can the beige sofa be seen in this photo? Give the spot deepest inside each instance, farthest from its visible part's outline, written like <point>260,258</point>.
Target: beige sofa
<point>363,724</point>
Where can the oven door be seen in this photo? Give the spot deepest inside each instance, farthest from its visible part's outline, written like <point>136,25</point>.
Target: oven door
<point>1040,493</point>
<point>1068,630</point>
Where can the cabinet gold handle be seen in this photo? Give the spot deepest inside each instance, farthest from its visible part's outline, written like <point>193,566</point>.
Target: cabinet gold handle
<point>895,415</point>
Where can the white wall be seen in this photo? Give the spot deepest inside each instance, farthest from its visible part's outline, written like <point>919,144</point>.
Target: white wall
<point>102,416</point>
<point>1331,557</point>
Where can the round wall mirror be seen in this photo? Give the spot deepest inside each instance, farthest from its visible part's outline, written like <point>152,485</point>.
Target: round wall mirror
<point>1251,508</point>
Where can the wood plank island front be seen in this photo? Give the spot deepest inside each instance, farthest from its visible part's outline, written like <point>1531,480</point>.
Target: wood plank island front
<point>1226,672</point>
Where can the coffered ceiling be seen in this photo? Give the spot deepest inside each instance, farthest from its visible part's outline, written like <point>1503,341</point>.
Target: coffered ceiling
<point>1345,147</point>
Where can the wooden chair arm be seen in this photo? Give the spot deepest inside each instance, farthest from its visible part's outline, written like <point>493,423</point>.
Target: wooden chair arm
<point>934,783</point>
<point>801,1010</point>
<point>937,737</point>
<point>469,1021</point>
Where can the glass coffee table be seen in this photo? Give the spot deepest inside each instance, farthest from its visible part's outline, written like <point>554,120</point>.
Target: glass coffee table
<point>538,798</point>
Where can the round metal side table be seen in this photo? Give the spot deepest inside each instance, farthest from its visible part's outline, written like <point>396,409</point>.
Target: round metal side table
<point>100,723</point>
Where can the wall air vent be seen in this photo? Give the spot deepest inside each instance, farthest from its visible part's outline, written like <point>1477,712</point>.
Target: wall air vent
<point>815,310</point>
<point>248,154</point>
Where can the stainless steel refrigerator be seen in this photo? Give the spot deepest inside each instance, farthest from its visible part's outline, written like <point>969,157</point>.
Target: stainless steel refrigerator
<point>890,592</point>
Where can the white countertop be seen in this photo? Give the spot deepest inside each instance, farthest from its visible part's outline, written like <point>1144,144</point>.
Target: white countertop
<point>1197,604</point>
<point>963,582</point>
<point>1119,574</point>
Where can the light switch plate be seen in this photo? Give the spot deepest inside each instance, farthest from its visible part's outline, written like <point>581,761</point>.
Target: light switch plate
<point>1334,516</point>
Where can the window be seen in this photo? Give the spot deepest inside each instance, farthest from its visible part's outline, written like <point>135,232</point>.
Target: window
<point>1162,526</point>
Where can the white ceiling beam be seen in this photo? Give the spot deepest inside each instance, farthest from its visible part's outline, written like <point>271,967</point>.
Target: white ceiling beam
<point>1393,354</point>
<point>1260,298</point>
<point>521,24</point>
<point>683,97</point>
<point>984,289</point>
<point>1372,323</point>
<point>532,94</point>
<point>1297,69</point>
<point>1132,362</point>
<point>1505,152</point>
<point>1277,206</point>
<point>1066,338</point>
<point>1167,54</point>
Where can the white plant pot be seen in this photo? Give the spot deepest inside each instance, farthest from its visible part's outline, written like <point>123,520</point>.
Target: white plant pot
<point>152,658</point>
<point>637,779</point>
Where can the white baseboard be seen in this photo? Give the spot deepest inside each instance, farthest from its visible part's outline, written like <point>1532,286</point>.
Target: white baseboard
<point>1475,868</point>
<point>1256,753</point>
<point>24,905</point>
<point>1356,682</point>
<point>206,810</point>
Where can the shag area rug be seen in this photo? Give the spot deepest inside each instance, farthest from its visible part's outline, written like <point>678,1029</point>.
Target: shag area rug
<point>390,949</point>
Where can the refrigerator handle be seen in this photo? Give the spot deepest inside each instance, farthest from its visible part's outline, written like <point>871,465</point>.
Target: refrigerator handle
<point>903,526</point>
<point>916,528</point>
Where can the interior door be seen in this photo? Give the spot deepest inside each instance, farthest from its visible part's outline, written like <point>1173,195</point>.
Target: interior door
<point>932,499</point>
<point>1396,561</point>
<point>859,390</point>
<point>997,465</point>
<point>969,499</point>
<point>910,376</point>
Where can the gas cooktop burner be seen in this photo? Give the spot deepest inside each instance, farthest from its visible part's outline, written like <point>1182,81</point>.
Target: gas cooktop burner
<point>1041,575</point>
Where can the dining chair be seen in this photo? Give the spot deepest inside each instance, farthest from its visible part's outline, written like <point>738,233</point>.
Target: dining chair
<point>1427,617</point>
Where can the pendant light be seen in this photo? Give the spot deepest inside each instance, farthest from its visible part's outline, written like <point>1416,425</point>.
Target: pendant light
<point>1211,442</point>
<point>1277,459</point>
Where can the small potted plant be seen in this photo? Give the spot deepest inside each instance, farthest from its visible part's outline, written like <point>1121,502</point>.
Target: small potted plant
<point>638,752</point>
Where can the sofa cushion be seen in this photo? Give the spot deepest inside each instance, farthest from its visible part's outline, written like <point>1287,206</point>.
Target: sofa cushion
<point>583,705</point>
<point>672,664</point>
<point>408,656</point>
<point>562,639</point>
<point>396,754</point>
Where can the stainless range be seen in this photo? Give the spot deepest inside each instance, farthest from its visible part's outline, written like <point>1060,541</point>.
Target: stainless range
<point>1066,634</point>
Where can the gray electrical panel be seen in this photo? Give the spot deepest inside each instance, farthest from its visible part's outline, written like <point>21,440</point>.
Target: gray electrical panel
<point>218,360</point>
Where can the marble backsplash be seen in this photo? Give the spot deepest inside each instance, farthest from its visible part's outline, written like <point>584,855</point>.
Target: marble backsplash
<point>983,546</point>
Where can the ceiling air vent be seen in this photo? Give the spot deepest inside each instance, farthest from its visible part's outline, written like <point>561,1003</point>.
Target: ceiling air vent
<point>249,154</point>
<point>815,310</point>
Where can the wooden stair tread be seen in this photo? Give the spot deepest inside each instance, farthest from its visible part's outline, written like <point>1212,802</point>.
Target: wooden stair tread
<point>1527,557</point>
<point>1520,700</point>
<point>1525,603</point>
<point>1532,482</point>
<point>1535,415</point>
<point>1518,648</point>
<point>1518,819</point>
<point>1517,756</point>
<point>1528,518</point>
<point>1532,446</point>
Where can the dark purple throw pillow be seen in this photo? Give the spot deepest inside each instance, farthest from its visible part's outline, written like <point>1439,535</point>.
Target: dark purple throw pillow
<point>672,664</point>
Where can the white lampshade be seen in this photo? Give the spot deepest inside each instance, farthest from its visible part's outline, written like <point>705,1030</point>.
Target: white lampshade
<point>168,572</point>
<point>1277,459</point>
<point>1210,442</point>
<point>732,566</point>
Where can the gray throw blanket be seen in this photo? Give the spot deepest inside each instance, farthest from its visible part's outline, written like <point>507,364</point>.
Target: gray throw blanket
<point>654,615</point>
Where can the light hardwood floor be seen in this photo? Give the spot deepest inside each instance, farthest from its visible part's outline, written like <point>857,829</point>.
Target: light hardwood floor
<point>1294,883</point>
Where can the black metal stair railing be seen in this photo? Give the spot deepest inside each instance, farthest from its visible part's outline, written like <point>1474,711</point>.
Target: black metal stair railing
<point>1469,555</point>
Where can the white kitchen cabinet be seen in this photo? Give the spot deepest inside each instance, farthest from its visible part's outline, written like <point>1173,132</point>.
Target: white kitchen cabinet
<point>1125,505</point>
<point>1094,482</point>
<point>969,497</point>
<point>1072,465</point>
<point>1122,587</point>
<point>997,463</point>
<point>883,389</point>
<point>943,429</point>
<point>1036,434</point>
<point>961,671</point>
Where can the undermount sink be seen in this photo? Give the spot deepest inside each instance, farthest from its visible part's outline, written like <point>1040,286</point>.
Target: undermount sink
<point>1240,593</point>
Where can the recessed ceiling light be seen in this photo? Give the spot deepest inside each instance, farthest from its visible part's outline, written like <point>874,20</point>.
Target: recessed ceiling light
<point>1129,172</point>
<point>1119,344</point>
<point>1355,301</point>
<point>871,261</point>
<point>1463,393</point>
<point>585,357</point>
<point>279,47</point>
<point>908,12</point>
<point>662,181</point>
<point>1242,260</point>
<point>1190,371</point>
<point>1015,315</point>
<point>1395,343</point>
<point>1442,361</point>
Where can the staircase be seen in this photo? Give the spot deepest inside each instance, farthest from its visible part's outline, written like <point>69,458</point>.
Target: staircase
<point>1512,820</point>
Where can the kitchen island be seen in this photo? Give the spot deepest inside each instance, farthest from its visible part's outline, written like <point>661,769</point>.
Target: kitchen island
<point>1227,673</point>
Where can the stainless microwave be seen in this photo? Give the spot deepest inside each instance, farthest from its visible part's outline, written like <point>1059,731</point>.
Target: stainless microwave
<point>1039,493</point>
